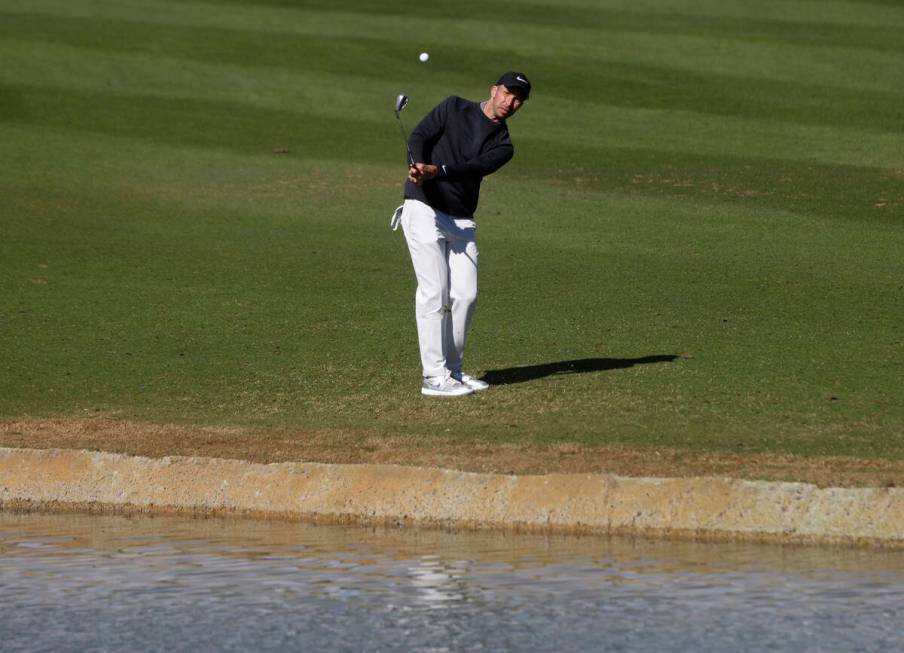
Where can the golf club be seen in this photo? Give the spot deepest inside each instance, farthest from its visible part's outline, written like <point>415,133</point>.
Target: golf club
<point>400,103</point>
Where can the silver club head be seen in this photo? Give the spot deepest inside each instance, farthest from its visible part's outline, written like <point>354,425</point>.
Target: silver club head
<point>400,103</point>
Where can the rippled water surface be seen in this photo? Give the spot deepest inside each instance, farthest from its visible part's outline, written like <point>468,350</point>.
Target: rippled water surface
<point>78,583</point>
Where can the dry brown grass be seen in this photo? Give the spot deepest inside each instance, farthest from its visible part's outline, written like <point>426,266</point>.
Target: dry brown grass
<point>105,433</point>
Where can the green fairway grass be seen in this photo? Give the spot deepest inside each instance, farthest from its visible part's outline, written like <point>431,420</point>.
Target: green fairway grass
<point>699,243</point>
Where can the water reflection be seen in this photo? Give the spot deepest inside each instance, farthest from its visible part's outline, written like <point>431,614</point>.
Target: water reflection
<point>438,581</point>
<point>79,582</point>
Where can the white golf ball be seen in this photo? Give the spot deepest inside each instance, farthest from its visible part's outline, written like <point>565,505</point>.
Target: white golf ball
<point>424,57</point>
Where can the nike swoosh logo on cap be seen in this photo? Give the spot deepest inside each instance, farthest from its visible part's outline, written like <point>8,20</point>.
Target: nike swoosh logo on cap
<point>521,79</point>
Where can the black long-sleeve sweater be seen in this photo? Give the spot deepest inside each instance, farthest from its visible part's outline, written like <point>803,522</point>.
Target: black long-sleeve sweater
<point>457,137</point>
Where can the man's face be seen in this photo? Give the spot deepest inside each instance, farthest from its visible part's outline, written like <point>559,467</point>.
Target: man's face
<point>505,102</point>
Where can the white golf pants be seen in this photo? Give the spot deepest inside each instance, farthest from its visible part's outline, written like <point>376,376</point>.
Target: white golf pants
<point>444,254</point>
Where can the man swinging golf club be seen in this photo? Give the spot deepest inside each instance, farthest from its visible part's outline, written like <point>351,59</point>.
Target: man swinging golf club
<point>457,144</point>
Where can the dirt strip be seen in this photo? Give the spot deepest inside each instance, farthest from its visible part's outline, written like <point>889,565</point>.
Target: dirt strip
<point>719,508</point>
<point>108,433</point>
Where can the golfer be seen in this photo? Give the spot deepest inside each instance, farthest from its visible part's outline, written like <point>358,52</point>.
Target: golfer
<point>454,147</point>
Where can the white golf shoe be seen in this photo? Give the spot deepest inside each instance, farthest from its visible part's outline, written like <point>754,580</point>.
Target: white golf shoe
<point>470,381</point>
<point>444,386</point>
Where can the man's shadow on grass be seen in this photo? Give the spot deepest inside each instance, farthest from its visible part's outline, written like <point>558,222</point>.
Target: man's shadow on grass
<point>530,372</point>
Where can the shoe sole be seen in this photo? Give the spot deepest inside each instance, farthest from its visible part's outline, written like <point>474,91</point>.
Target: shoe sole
<point>440,393</point>
<point>479,388</point>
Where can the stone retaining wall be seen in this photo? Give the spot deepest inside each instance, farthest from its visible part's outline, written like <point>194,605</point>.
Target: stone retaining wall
<point>697,507</point>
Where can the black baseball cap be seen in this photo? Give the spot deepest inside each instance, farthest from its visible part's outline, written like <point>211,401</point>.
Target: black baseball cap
<point>512,79</point>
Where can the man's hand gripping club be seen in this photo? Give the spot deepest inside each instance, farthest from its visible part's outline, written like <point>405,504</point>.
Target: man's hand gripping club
<point>421,172</point>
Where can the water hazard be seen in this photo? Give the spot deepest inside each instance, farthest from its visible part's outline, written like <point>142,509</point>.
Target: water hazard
<point>79,583</point>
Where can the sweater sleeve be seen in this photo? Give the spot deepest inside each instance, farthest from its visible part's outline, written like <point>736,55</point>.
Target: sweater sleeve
<point>428,130</point>
<point>480,166</point>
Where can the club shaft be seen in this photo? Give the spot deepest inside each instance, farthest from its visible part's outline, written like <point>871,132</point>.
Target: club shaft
<point>405,138</point>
